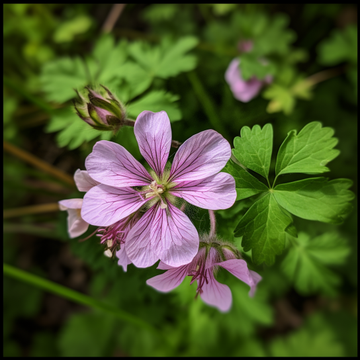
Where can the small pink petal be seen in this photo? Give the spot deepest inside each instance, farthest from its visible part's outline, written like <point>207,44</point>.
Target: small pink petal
<point>238,268</point>
<point>213,193</point>
<point>153,134</point>
<point>111,164</point>
<point>83,180</point>
<point>169,280</point>
<point>175,239</point>
<point>76,225</point>
<point>216,294</point>
<point>70,204</point>
<point>201,156</point>
<point>124,260</point>
<point>105,205</point>
<point>138,241</point>
<point>241,89</point>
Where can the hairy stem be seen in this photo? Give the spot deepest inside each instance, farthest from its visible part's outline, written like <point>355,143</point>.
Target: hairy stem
<point>212,223</point>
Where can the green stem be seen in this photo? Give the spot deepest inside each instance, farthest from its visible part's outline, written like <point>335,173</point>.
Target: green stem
<point>75,296</point>
<point>207,104</point>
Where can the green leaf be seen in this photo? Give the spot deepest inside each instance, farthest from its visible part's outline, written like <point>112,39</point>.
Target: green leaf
<point>316,199</point>
<point>69,29</point>
<point>246,184</point>
<point>263,228</point>
<point>253,149</point>
<point>315,339</point>
<point>306,262</point>
<point>251,66</point>
<point>156,100</point>
<point>111,59</point>
<point>73,130</point>
<point>340,46</point>
<point>308,152</point>
<point>60,77</point>
<point>168,59</point>
<point>87,335</point>
<point>281,99</point>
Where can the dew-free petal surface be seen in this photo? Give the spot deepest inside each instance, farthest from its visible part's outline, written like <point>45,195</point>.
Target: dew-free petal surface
<point>105,205</point>
<point>216,294</point>
<point>202,155</point>
<point>169,280</point>
<point>174,237</point>
<point>111,164</point>
<point>83,181</point>
<point>153,134</point>
<point>238,268</point>
<point>213,193</point>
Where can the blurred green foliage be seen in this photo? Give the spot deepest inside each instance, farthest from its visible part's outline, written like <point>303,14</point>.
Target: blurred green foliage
<point>306,303</point>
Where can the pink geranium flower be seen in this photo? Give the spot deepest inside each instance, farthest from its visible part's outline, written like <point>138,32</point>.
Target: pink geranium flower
<point>241,89</point>
<point>163,232</point>
<point>203,268</point>
<point>76,225</point>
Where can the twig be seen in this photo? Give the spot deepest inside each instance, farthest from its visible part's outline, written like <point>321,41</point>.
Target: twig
<point>113,16</point>
<point>28,210</point>
<point>325,75</point>
<point>40,164</point>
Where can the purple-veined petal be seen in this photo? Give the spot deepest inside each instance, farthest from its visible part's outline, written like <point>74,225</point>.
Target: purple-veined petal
<point>153,134</point>
<point>238,268</point>
<point>216,294</point>
<point>105,205</point>
<point>138,241</point>
<point>83,181</point>
<point>111,164</point>
<point>201,156</point>
<point>169,280</point>
<point>214,193</point>
<point>163,266</point>
<point>124,260</point>
<point>174,237</point>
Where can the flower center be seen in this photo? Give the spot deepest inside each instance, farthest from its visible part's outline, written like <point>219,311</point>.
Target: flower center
<point>154,189</point>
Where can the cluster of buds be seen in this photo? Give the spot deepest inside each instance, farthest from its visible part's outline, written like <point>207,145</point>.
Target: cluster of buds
<point>100,109</point>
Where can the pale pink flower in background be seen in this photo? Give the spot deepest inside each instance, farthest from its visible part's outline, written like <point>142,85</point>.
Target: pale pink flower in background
<point>202,269</point>
<point>76,225</point>
<point>245,45</point>
<point>241,89</point>
<point>163,232</point>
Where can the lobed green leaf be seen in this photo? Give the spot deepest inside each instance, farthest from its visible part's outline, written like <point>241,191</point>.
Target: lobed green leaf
<point>307,152</point>
<point>253,149</point>
<point>263,228</point>
<point>246,184</point>
<point>316,199</point>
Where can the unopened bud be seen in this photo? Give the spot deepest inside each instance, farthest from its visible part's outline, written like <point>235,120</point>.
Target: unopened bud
<point>100,109</point>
